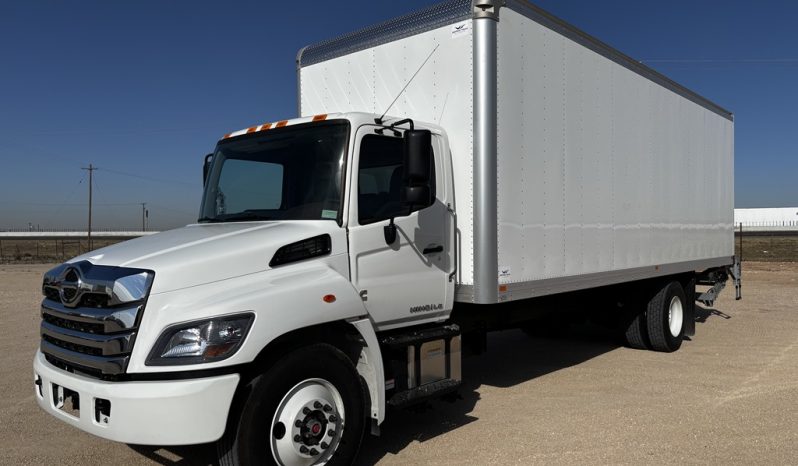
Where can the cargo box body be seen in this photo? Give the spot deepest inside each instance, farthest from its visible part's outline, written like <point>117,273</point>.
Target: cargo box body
<point>606,170</point>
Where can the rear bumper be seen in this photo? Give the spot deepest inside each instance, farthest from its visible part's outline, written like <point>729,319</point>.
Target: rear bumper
<point>180,412</point>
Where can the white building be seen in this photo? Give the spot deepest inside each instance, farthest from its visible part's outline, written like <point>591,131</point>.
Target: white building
<point>774,219</point>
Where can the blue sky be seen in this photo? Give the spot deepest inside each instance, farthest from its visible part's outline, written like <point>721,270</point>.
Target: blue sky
<point>143,89</point>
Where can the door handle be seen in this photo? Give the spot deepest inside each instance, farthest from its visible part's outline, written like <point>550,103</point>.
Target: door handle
<point>433,249</point>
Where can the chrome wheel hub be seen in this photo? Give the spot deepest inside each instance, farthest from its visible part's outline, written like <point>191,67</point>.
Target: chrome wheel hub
<point>308,424</point>
<point>675,316</point>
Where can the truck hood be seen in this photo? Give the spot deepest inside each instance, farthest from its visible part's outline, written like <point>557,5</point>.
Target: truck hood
<point>210,252</point>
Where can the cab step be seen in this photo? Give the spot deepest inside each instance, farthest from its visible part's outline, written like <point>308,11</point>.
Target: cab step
<point>421,363</point>
<point>424,392</point>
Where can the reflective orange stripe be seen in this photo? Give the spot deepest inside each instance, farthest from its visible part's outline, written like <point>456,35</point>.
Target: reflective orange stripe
<point>321,117</point>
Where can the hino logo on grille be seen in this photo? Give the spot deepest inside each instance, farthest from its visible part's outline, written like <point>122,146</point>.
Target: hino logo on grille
<point>69,286</point>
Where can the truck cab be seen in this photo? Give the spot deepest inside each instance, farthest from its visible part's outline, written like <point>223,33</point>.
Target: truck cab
<point>314,235</point>
<point>354,176</point>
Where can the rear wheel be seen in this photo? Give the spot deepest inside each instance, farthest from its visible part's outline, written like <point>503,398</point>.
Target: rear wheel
<point>665,318</point>
<point>307,409</point>
<point>635,330</point>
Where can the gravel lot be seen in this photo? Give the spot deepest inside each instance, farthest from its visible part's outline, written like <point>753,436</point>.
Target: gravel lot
<point>729,396</point>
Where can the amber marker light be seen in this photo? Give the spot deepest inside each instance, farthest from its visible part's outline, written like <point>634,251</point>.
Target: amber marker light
<point>328,298</point>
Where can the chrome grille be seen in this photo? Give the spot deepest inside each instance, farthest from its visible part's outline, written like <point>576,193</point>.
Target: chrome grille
<point>90,317</point>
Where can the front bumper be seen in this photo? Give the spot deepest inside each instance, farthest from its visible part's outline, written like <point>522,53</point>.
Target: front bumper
<point>169,412</point>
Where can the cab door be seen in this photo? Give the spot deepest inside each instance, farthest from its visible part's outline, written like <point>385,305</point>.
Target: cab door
<point>406,281</point>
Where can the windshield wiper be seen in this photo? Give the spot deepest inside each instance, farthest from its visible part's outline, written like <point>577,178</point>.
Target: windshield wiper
<point>208,220</point>
<point>245,215</point>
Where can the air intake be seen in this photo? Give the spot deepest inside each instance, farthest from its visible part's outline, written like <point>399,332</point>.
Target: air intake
<point>301,250</point>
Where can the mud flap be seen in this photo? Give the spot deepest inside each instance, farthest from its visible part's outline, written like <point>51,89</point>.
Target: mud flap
<point>689,311</point>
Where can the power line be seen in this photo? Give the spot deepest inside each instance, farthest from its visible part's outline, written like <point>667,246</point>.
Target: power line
<point>762,61</point>
<point>127,131</point>
<point>108,213</point>
<point>34,152</point>
<point>160,206</point>
<point>69,196</point>
<point>90,169</point>
<point>78,204</point>
<point>144,215</point>
<point>148,178</point>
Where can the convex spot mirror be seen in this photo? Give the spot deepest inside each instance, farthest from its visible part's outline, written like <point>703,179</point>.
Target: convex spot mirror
<point>417,162</point>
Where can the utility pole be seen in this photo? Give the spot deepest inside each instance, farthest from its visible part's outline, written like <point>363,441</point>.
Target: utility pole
<point>143,213</point>
<point>91,172</point>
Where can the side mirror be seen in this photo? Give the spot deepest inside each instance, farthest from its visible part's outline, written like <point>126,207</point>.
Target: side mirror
<point>417,164</point>
<point>417,173</point>
<point>206,168</point>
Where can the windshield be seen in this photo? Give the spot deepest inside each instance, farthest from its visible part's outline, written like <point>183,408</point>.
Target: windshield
<point>292,173</point>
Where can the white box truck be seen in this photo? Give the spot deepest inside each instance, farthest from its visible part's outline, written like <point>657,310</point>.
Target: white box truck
<point>461,169</point>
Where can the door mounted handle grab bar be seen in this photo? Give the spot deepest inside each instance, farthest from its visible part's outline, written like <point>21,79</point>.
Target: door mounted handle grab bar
<point>433,249</point>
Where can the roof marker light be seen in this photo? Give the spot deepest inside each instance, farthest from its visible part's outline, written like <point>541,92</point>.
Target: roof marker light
<point>281,123</point>
<point>321,117</point>
<point>265,126</point>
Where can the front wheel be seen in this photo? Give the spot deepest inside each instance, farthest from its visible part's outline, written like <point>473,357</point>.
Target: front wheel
<point>307,409</point>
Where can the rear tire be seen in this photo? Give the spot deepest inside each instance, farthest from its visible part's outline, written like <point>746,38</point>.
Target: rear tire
<point>635,332</point>
<point>665,318</point>
<point>309,407</point>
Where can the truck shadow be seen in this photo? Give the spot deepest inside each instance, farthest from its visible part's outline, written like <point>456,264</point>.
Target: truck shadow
<point>183,455</point>
<point>501,366</point>
<point>702,314</point>
<point>512,358</point>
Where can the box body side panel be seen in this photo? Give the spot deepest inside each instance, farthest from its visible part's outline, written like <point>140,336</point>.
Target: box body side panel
<point>601,169</point>
<point>442,93</point>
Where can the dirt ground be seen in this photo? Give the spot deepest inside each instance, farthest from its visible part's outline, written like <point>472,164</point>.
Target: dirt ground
<point>757,246</point>
<point>729,396</point>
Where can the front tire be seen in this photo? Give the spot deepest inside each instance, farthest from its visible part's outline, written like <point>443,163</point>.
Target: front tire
<point>309,408</point>
<point>665,318</point>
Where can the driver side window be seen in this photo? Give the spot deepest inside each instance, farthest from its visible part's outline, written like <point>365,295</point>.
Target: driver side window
<point>380,179</point>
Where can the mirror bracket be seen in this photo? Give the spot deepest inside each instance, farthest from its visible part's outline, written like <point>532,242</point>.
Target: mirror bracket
<point>389,232</point>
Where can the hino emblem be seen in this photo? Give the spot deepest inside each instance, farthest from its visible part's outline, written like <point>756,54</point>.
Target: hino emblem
<point>69,286</point>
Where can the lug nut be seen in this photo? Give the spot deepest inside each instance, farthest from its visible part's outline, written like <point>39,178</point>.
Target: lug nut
<point>297,438</point>
<point>333,418</point>
<point>317,405</point>
<point>305,410</point>
<point>303,449</point>
<point>324,445</point>
<point>298,423</point>
<point>314,452</point>
<point>327,408</point>
<point>331,433</point>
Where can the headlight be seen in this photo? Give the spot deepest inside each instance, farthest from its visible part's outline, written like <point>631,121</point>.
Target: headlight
<point>208,340</point>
